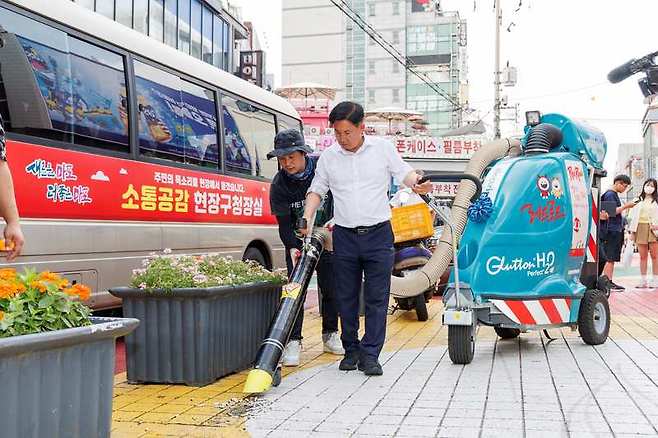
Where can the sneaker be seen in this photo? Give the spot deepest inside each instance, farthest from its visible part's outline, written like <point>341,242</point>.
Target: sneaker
<point>291,354</point>
<point>615,286</point>
<point>371,367</point>
<point>349,362</point>
<point>643,285</point>
<point>332,343</point>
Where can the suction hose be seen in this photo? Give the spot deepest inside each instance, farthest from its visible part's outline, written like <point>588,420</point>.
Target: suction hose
<point>416,282</point>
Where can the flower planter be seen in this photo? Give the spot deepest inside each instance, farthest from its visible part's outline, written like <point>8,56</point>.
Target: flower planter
<point>59,383</point>
<point>195,336</point>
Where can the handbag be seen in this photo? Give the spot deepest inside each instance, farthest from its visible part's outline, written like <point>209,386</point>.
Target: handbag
<point>627,254</point>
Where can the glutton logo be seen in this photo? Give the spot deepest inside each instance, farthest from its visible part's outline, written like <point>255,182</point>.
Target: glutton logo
<point>543,263</point>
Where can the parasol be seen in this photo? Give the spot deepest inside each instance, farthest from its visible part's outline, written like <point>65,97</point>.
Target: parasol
<point>391,113</point>
<point>305,90</point>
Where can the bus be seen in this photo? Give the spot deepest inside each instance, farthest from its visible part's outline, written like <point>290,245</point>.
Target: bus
<point>121,146</point>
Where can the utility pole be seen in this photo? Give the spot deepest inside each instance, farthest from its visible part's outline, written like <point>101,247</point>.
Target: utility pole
<point>499,22</point>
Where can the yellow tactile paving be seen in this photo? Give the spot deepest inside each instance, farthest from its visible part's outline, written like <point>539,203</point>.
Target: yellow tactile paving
<point>182,411</point>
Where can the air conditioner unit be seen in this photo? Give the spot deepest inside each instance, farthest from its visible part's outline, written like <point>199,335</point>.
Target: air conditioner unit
<point>314,130</point>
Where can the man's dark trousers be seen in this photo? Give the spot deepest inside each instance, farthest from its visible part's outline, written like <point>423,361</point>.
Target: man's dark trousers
<point>326,284</point>
<point>357,255</point>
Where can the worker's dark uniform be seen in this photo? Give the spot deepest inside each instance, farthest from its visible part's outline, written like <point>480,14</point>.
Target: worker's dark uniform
<point>287,199</point>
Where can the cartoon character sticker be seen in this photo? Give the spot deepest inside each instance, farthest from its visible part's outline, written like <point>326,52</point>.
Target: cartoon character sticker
<point>544,186</point>
<point>556,188</point>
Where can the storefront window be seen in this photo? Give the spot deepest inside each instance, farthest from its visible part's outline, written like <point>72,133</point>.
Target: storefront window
<point>184,26</point>
<point>156,20</point>
<point>218,45</point>
<point>196,29</point>
<point>170,28</point>
<point>140,19</point>
<point>105,8</point>
<point>207,35</point>
<point>124,12</point>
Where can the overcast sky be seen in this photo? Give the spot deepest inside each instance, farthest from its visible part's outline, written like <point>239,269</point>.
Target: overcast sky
<point>563,50</point>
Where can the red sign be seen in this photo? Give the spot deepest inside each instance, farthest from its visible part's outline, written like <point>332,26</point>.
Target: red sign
<point>550,212</point>
<point>62,184</point>
<point>436,147</point>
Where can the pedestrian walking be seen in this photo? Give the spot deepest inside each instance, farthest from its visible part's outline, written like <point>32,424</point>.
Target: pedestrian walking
<point>643,225</point>
<point>358,173</point>
<point>612,234</point>
<point>287,197</point>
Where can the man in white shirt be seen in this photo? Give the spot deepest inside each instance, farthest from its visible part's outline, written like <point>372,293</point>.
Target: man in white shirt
<point>358,172</point>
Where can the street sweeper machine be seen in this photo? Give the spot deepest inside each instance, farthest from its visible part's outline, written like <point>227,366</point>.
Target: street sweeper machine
<point>522,236</point>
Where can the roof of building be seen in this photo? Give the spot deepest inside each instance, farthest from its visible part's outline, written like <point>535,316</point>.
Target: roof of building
<point>469,129</point>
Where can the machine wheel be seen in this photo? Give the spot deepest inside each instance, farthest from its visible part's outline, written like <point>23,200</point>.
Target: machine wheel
<point>461,343</point>
<point>507,333</point>
<point>254,254</point>
<point>421,308</point>
<point>276,378</point>
<point>594,318</point>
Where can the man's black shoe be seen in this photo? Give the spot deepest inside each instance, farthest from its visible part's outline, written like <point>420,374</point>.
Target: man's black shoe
<point>370,367</point>
<point>349,362</point>
<point>615,286</point>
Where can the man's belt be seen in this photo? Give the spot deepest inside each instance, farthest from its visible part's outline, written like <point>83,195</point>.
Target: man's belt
<point>365,229</point>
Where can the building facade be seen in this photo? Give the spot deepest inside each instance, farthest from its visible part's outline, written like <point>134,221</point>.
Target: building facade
<point>630,161</point>
<point>205,29</point>
<point>321,45</point>
<point>650,134</point>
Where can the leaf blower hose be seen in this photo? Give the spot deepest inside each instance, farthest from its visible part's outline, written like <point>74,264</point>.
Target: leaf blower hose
<point>416,282</point>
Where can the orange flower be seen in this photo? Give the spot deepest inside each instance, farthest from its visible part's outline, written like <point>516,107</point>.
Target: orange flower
<point>7,274</point>
<point>8,290</point>
<point>39,285</point>
<point>2,315</point>
<point>49,276</point>
<point>62,284</point>
<point>80,290</point>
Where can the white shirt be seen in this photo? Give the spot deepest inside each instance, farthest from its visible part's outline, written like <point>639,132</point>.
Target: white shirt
<point>359,181</point>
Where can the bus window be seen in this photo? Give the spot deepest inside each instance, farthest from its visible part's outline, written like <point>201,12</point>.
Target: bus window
<point>99,97</point>
<point>287,122</point>
<point>60,88</point>
<point>248,136</point>
<point>176,118</point>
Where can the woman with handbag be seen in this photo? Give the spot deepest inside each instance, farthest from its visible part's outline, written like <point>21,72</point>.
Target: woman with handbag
<point>643,224</point>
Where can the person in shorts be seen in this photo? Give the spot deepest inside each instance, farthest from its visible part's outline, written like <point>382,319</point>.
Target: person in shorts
<point>643,225</point>
<point>612,233</point>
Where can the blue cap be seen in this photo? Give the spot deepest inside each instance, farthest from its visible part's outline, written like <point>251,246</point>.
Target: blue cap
<point>288,141</point>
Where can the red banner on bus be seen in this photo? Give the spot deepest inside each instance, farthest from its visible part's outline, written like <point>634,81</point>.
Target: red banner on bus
<point>62,184</point>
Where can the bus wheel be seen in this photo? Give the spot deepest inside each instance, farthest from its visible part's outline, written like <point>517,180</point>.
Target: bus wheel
<point>255,255</point>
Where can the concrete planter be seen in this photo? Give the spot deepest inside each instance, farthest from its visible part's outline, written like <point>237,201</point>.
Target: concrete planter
<point>195,336</point>
<point>59,384</point>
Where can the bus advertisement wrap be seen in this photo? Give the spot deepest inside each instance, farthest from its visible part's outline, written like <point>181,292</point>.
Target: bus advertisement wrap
<point>81,95</point>
<point>177,122</point>
<point>62,184</point>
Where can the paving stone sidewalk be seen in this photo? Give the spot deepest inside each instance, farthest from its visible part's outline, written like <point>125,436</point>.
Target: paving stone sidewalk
<point>527,387</point>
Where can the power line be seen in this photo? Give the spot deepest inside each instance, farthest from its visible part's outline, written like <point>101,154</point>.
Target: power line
<point>408,64</point>
<point>557,93</point>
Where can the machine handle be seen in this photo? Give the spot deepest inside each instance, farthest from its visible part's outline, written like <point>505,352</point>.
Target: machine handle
<point>453,177</point>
